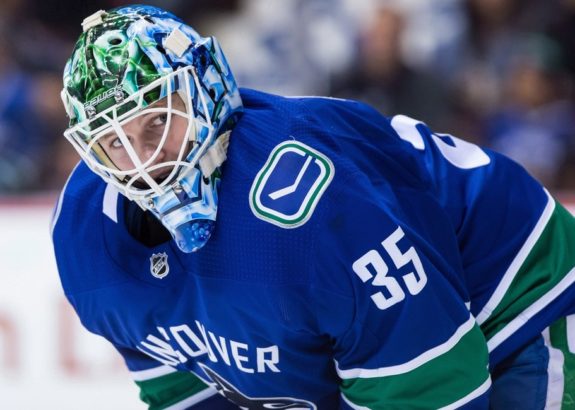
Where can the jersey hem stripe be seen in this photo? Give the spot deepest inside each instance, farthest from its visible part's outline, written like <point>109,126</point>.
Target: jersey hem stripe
<point>195,399</point>
<point>513,269</point>
<point>517,262</point>
<point>470,397</point>
<point>413,363</point>
<point>555,377</point>
<point>148,374</point>
<point>352,404</point>
<point>531,311</point>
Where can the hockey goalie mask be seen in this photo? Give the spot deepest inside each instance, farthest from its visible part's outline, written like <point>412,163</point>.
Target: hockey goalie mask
<point>151,104</point>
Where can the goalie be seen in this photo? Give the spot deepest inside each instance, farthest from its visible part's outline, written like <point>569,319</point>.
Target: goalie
<point>246,250</point>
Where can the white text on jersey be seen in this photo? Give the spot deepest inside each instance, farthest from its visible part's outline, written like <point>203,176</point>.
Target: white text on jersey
<point>177,344</point>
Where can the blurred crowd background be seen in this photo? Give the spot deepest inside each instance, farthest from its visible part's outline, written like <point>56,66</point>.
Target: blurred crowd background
<point>499,73</point>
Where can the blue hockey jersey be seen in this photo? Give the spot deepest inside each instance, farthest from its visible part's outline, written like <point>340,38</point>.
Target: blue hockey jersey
<point>357,262</point>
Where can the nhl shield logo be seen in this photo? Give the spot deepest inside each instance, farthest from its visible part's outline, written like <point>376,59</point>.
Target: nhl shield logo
<point>159,265</point>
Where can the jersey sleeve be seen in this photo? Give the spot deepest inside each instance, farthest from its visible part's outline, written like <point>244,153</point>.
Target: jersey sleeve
<point>164,387</point>
<point>405,338</point>
<point>517,243</point>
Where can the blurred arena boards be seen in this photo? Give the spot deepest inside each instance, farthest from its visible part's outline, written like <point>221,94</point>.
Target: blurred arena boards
<point>47,360</point>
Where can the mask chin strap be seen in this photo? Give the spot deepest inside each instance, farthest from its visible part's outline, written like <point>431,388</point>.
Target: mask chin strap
<point>215,155</point>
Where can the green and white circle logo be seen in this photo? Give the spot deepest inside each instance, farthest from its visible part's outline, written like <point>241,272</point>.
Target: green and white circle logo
<point>287,189</point>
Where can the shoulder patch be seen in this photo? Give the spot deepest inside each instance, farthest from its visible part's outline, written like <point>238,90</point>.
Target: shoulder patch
<point>287,189</point>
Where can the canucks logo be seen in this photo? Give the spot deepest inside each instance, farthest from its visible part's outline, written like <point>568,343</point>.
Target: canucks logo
<point>287,189</point>
<point>231,393</point>
<point>159,265</point>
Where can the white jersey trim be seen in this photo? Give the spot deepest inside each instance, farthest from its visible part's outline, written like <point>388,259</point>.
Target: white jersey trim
<point>471,396</point>
<point>518,261</point>
<point>195,399</point>
<point>570,325</point>
<point>412,364</point>
<point>555,376</point>
<point>110,203</point>
<point>531,311</point>
<point>352,404</point>
<point>143,375</point>
<point>322,97</point>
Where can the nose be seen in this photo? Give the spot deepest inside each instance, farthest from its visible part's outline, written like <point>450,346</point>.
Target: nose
<point>146,150</point>
<point>145,144</point>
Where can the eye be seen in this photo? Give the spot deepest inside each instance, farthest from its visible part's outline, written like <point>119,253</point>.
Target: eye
<point>116,143</point>
<point>160,120</point>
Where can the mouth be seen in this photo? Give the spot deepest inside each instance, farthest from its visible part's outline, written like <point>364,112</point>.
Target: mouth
<point>159,176</point>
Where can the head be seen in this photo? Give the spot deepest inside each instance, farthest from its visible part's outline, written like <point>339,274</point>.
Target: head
<point>536,73</point>
<point>381,42</point>
<point>150,104</point>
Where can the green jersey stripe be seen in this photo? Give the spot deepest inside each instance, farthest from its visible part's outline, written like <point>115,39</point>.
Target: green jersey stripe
<point>353,405</point>
<point>452,379</point>
<point>517,262</point>
<point>545,274</point>
<point>192,400</point>
<point>420,360</point>
<point>471,396</point>
<point>142,375</point>
<point>524,316</point>
<point>173,389</point>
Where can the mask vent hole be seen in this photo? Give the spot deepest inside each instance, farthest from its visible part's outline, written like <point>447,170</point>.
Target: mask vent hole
<point>115,41</point>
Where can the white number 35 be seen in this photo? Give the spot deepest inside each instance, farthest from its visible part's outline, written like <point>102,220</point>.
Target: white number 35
<point>392,291</point>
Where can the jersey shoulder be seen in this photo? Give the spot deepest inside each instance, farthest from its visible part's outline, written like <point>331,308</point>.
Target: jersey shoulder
<point>308,114</point>
<point>77,230</point>
<point>79,200</point>
<point>297,151</point>
<point>82,187</point>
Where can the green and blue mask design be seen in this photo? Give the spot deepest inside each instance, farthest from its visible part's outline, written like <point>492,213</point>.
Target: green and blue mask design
<point>140,61</point>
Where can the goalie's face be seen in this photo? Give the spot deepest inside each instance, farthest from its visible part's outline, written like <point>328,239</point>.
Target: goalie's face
<point>145,150</point>
<point>146,145</point>
<point>151,138</point>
